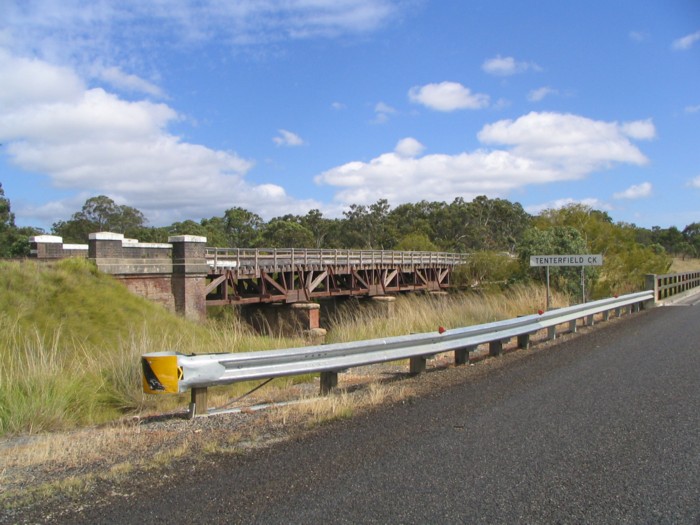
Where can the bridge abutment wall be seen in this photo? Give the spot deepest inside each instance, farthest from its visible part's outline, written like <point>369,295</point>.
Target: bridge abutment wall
<point>172,274</point>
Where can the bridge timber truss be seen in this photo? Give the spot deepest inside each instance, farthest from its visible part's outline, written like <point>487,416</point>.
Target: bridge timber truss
<point>241,276</point>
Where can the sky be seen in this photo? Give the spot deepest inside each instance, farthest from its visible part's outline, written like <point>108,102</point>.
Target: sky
<point>186,108</point>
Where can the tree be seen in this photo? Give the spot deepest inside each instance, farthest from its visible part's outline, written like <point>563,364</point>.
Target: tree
<point>670,238</point>
<point>319,226</point>
<point>482,224</point>
<point>242,228</point>
<point>286,234</point>
<point>413,219</point>
<point>14,241</point>
<point>625,259</point>
<point>7,218</point>
<point>416,242</point>
<point>100,214</point>
<point>557,240</point>
<point>691,233</point>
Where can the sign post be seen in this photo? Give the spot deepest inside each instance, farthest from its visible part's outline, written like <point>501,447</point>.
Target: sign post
<point>566,260</point>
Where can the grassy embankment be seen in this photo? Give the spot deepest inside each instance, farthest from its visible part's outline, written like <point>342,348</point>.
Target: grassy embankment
<point>71,341</point>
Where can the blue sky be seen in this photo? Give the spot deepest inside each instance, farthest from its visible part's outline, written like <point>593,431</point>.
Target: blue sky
<point>183,109</point>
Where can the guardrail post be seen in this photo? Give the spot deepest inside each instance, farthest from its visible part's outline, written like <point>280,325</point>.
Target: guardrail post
<point>462,355</point>
<point>329,381</point>
<point>524,341</point>
<point>551,333</point>
<point>417,365</point>
<point>198,401</point>
<point>606,315</point>
<point>590,321</point>
<point>572,326</point>
<point>496,348</point>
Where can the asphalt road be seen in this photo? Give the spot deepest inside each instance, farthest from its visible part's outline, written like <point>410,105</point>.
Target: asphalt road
<point>604,428</point>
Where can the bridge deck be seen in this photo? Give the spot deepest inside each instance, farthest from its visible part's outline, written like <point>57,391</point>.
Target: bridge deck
<point>244,276</point>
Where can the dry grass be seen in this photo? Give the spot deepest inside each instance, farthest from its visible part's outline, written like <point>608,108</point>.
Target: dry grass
<point>426,313</point>
<point>685,265</point>
<point>313,410</point>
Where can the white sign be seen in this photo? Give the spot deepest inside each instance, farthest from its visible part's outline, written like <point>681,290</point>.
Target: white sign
<point>566,260</point>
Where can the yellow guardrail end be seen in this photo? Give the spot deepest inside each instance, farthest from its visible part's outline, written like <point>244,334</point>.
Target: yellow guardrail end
<point>161,373</point>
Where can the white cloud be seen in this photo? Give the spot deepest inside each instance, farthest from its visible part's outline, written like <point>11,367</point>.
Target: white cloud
<point>58,28</point>
<point>539,94</point>
<point>409,147</point>
<point>637,191</point>
<point>686,42</point>
<point>639,129</point>
<point>447,96</point>
<point>338,106</point>
<point>94,142</point>
<point>695,183</point>
<point>571,143</point>
<point>638,36</point>
<point>30,81</point>
<point>534,149</point>
<point>383,112</point>
<point>506,66</point>
<point>288,138</point>
<point>116,78</point>
<point>692,109</point>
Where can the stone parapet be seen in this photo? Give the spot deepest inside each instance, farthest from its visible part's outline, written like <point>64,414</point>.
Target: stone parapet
<point>52,247</point>
<point>114,254</point>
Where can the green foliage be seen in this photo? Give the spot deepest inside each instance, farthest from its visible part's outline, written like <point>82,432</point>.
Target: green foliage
<point>482,224</point>
<point>416,242</point>
<point>486,269</point>
<point>241,228</point>
<point>556,240</point>
<point>7,218</point>
<point>100,214</point>
<point>625,259</point>
<point>367,227</point>
<point>14,241</point>
<point>286,234</point>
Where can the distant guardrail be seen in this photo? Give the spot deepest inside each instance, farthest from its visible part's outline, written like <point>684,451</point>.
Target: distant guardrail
<point>170,372</point>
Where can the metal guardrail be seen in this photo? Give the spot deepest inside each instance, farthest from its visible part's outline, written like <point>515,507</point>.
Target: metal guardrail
<point>170,372</point>
<point>266,258</point>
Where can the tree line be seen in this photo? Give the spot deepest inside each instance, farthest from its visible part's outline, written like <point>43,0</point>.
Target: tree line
<point>484,226</point>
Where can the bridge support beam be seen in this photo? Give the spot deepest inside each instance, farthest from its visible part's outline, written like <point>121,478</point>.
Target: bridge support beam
<point>292,320</point>
<point>384,304</point>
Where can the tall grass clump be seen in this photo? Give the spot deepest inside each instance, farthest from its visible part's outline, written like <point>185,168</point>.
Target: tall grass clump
<point>426,313</point>
<point>71,341</point>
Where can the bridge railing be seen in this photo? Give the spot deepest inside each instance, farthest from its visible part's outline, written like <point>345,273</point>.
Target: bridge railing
<point>170,372</point>
<point>673,285</point>
<point>279,258</point>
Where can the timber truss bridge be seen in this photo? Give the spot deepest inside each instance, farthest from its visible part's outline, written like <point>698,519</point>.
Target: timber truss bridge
<point>239,276</point>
